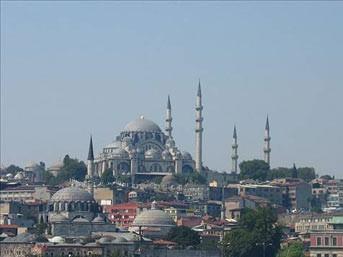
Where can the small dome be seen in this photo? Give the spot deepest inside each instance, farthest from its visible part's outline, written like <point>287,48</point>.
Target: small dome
<point>72,194</point>
<point>153,154</point>
<point>166,155</point>
<point>106,240</point>
<point>58,165</point>
<point>142,125</point>
<point>58,218</point>
<point>9,175</point>
<point>80,220</point>
<point>114,144</point>
<point>120,153</point>
<point>186,156</point>
<point>57,240</point>
<point>153,218</point>
<point>120,239</point>
<point>98,219</point>
<point>169,180</point>
<point>19,176</point>
<point>31,164</point>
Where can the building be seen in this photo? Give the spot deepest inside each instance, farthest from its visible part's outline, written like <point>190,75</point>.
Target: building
<point>272,193</point>
<point>122,214</point>
<point>296,194</point>
<point>326,243</point>
<point>27,193</point>
<point>73,212</point>
<point>142,150</point>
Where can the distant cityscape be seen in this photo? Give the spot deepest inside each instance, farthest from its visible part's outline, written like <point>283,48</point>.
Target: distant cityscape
<point>143,196</point>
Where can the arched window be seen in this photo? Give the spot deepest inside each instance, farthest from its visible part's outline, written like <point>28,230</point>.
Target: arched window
<point>156,168</point>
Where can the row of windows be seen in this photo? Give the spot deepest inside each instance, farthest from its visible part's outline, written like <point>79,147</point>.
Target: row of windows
<point>326,255</point>
<point>326,241</point>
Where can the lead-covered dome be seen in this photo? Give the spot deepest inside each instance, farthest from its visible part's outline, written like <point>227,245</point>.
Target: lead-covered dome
<point>153,218</point>
<point>72,194</point>
<point>143,125</point>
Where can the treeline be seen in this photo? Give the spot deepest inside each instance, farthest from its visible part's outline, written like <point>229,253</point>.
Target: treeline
<point>260,170</point>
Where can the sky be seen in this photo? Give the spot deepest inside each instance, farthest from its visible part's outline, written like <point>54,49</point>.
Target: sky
<point>71,69</point>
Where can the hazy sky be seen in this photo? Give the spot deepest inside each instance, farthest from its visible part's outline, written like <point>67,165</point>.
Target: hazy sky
<point>69,69</point>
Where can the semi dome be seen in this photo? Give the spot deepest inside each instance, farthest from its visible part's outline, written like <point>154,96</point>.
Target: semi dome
<point>58,218</point>
<point>98,219</point>
<point>186,156</point>
<point>72,194</point>
<point>80,220</point>
<point>114,144</point>
<point>57,240</point>
<point>120,152</point>
<point>57,165</point>
<point>153,154</point>
<point>142,125</point>
<point>169,180</point>
<point>31,165</point>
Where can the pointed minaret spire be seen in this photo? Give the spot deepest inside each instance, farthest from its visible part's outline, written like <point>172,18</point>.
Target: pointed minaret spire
<point>267,138</point>
<point>234,155</point>
<point>294,171</point>
<point>169,119</point>
<point>267,123</point>
<point>90,168</point>
<point>90,151</point>
<point>198,131</point>
<point>199,89</point>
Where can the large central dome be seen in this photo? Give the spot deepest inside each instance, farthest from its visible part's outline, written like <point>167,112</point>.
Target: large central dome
<point>143,125</point>
<point>72,194</point>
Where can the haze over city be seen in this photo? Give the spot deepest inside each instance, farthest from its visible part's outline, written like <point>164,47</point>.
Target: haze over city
<point>71,70</point>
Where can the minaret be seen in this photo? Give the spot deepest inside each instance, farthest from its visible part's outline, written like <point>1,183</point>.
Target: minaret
<point>169,119</point>
<point>198,131</point>
<point>90,167</point>
<point>267,138</point>
<point>234,155</point>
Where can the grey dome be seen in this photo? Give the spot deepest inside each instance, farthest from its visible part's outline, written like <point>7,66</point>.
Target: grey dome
<point>114,144</point>
<point>80,220</point>
<point>186,156</point>
<point>142,124</point>
<point>153,154</point>
<point>120,240</point>
<point>57,240</point>
<point>72,194</point>
<point>31,165</point>
<point>58,218</point>
<point>22,238</point>
<point>57,165</point>
<point>169,180</point>
<point>98,219</point>
<point>106,240</point>
<point>153,218</point>
<point>120,152</point>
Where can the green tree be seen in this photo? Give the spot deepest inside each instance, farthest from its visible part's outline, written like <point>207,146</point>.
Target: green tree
<point>305,173</point>
<point>184,236</point>
<point>13,169</point>
<point>107,177</point>
<point>258,235</point>
<point>254,169</point>
<point>295,249</point>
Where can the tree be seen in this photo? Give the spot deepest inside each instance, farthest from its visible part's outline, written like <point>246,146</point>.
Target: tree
<point>13,169</point>
<point>305,173</point>
<point>107,177</point>
<point>295,249</point>
<point>254,169</point>
<point>258,235</point>
<point>194,178</point>
<point>184,236</point>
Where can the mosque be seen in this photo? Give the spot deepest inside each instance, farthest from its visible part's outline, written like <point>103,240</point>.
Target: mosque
<point>143,150</point>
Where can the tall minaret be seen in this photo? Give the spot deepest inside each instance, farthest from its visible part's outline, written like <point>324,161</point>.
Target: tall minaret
<point>267,138</point>
<point>169,119</point>
<point>90,167</point>
<point>234,155</point>
<point>198,131</point>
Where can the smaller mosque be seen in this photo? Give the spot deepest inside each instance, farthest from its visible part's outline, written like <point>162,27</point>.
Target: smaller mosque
<point>73,212</point>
